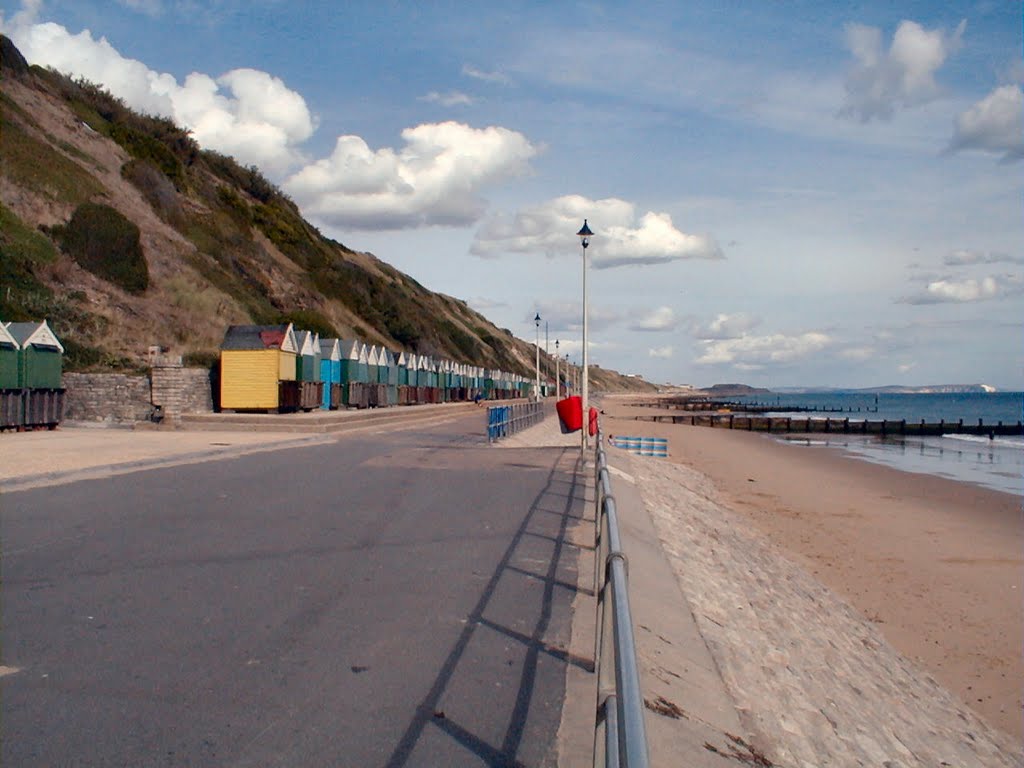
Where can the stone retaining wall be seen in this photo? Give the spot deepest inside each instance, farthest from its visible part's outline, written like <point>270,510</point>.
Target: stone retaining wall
<point>115,398</point>
<point>177,390</point>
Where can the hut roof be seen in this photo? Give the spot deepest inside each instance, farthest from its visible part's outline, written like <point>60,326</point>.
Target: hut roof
<point>253,337</point>
<point>306,342</point>
<point>353,350</point>
<point>330,349</point>
<point>6,340</point>
<point>34,334</point>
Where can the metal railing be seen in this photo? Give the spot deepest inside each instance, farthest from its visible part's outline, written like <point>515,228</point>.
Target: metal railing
<point>620,703</point>
<point>505,420</point>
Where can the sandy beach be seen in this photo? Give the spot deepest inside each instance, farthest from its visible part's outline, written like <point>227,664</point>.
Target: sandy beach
<point>934,564</point>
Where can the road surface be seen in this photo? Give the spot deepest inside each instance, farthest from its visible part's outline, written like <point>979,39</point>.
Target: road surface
<point>392,599</point>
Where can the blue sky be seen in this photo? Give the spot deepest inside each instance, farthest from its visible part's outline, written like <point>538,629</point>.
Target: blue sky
<point>781,193</point>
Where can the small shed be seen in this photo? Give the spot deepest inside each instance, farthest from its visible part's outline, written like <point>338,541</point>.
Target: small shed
<point>402,367</point>
<point>254,359</point>
<point>353,371</point>
<point>372,363</point>
<point>40,355</point>
<point>307,365</point>
<point>423,371</point>
<point>330,372</point>
<point>9,348</point>
<point>353,361</point>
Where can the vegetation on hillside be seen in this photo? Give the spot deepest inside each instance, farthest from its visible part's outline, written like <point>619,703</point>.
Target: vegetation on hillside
<point>239,250</point>
<point>105,243</point>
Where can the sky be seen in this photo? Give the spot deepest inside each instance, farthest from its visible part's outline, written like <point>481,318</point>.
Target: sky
<point>781,194</point>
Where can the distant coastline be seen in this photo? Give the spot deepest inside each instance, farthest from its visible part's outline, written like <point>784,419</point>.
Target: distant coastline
<point>894,389</point>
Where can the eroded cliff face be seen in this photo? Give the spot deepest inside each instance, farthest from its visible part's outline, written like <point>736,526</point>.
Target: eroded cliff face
<point>221,244</point>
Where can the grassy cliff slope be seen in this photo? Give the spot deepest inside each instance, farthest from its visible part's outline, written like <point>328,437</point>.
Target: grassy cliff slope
<point>123,232</point>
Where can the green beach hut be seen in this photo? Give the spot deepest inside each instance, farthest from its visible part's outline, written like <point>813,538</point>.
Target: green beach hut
<point>9,348</point>
<point>40,355</point>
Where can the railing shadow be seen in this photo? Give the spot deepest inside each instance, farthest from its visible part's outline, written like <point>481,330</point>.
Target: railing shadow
<point>540,553</point>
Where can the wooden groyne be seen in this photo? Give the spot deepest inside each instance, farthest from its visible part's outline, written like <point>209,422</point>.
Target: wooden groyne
<point>788,424</point>
<point>730,405</point>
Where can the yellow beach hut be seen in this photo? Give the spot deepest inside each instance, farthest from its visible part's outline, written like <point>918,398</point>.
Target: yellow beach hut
<point>256,362</point>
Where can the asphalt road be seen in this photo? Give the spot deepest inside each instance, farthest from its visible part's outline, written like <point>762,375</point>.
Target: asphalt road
<point>394,599</point>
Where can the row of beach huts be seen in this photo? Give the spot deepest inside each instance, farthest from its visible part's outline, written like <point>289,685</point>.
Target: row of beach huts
<point>271,368</point>
<point>31,366</point>
<point>277,368</point>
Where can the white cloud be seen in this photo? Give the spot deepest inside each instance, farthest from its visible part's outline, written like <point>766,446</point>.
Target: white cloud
<point>245,113</point>
<point>904,76</point>
<point>620,238</point>
<point>755,352</point>
<point>658,319</point>
<point>488,77</point>
<point>725,326</point>
<point>662,353</point>
<point>450,99</point>
<point>995,124</point>
<point>567,317</point>
<point>968,290</point>
<point>965,257</point>
<point>434,179</point>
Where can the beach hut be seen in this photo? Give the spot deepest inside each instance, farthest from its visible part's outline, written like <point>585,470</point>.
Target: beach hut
<point>307,370</point>
<point>391,377</point>
<point>40,355</point>
<point>330,373</point>
<point>402,377</point>
<point>372,366</point>
<point>422,379</point>
<point>353,372</point>
<point>9,348</point>
<point>11,396</point>
<point>258,368</point>
<point>372,363</point>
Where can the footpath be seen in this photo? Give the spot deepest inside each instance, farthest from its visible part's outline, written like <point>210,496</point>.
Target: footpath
<point>747,659</point>
<point>79,451</point>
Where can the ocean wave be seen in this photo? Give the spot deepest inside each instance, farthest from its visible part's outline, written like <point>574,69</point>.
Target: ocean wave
<point>1002,442</point>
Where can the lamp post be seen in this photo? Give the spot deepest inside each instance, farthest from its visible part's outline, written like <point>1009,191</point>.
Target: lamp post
<point>558,382</point>
<point>536,322</point>
<point>584,235</point>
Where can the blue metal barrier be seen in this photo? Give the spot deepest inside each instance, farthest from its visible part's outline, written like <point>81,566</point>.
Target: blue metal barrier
<point>505,420</point>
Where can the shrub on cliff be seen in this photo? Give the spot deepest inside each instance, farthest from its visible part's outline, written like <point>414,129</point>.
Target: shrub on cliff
<point>107,244</point>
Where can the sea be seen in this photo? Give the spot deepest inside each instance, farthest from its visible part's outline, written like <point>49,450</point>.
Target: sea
<point>996,463</point>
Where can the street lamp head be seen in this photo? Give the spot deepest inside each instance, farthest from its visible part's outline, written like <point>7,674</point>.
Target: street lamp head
<point>536,320</point>
<point>556,346</point>
<point>584,234</point>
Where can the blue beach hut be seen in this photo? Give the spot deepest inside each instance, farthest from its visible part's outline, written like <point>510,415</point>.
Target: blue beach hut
<point>330,372</point>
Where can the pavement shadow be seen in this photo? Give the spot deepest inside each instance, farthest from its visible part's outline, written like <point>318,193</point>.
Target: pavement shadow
<point>486,712</point>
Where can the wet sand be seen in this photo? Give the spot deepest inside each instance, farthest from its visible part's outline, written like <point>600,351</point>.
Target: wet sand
<point>935,564</point>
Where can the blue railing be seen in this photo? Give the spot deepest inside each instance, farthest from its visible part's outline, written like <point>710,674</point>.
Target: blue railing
<point>505,420</point>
